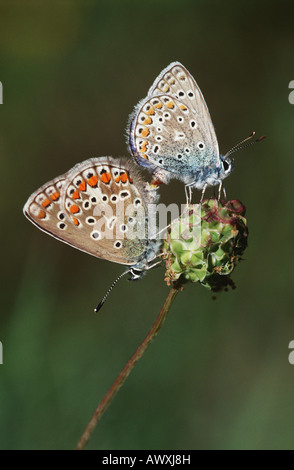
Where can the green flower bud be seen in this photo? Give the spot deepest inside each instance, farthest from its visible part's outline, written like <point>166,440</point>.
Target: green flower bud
<point>205,242</point>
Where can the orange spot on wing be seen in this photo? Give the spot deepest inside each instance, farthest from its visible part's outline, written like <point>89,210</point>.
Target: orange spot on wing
<point>76,194</point>
<point>105,178</point>
<point>148,120</point>
<point>82,186</point>
<point>124,178</point>
<point>55,196</point>
<point>145,132</point>
<point>93,181</point>
<point>117,179</point>
<point>150,111</point>
<point>46,203</point>
<point>183,107</point>
<point>42,214</point>
<point>75,221</point>
<point>144,147</point>
<point>74,209</point>
<point>130,179</point>
<point>158,105</point>
<point>170,105</point>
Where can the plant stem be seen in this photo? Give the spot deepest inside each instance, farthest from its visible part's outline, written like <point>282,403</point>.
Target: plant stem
<point>105,402</point>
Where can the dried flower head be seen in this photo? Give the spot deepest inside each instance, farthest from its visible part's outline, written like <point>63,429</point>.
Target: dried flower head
<point>205,242</point>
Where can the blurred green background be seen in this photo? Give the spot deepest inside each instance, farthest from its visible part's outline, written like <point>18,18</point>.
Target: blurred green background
<point>218,375</point>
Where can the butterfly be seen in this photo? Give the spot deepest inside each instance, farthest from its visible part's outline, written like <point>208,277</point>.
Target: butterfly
<point>100,207</point>
<point>170,133</point>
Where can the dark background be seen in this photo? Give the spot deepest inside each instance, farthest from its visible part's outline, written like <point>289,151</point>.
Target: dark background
<point>218,375</point>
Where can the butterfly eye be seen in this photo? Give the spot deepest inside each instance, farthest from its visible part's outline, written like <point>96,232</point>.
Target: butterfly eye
<point>226,165</point>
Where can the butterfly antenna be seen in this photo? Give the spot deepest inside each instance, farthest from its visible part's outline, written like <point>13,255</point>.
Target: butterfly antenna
<point>241,145</point>
<point>108,292</point>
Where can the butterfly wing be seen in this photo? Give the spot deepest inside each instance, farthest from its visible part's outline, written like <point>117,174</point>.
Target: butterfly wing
<point>171,129</point>
<point>182,86</point>
<point>94,207</point>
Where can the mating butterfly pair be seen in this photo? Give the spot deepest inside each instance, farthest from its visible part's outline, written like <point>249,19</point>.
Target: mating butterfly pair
<point>172,135</point>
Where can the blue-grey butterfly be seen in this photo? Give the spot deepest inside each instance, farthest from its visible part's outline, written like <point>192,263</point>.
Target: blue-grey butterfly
<point>101,207</point>
<point>171,133</point>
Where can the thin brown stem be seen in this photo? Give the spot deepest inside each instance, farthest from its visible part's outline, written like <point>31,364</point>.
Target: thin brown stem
<point>105,402</point>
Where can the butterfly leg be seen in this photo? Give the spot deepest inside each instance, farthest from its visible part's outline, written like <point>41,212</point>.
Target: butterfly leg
<point>154,265</point>
<point>187,189</point>
<point>203,192</point>
<point>188,193</point>
<point>219,190</point>
<point>164,229</point>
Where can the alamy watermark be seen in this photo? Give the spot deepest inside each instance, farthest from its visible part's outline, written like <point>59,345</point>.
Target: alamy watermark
<point>134,221</point>
<point>291,355</point>
<point>291,95</point>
